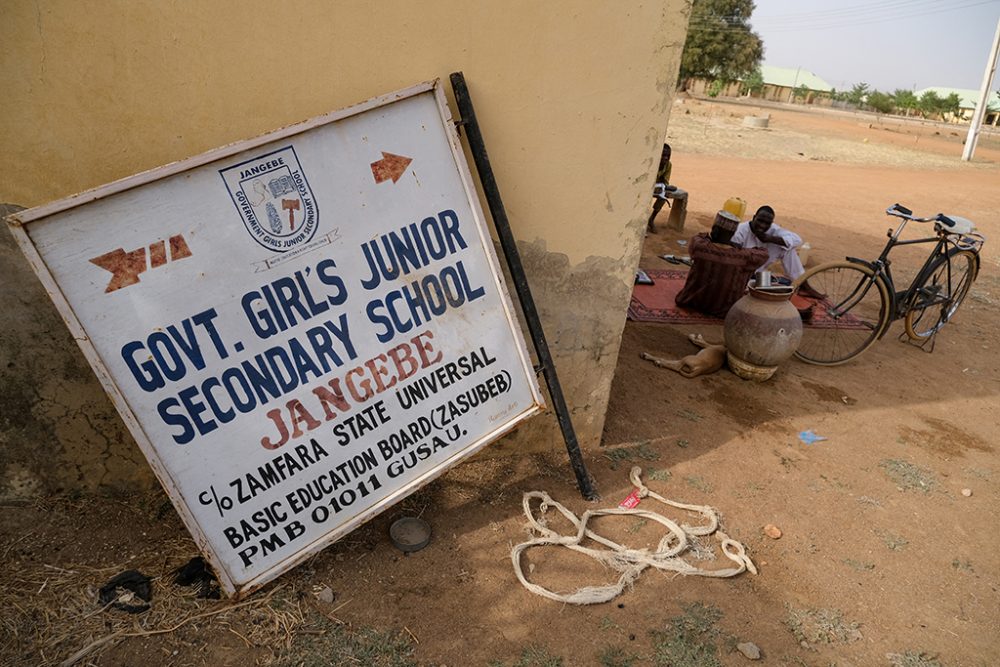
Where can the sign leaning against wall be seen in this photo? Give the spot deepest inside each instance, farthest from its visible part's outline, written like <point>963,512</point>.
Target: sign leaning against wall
<point>299,330</point>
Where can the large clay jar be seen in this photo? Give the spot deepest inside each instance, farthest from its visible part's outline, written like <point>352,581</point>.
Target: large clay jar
<point>762,330</point>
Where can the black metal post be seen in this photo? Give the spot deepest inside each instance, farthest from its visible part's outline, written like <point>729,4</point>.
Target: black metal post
<point>509,246</point>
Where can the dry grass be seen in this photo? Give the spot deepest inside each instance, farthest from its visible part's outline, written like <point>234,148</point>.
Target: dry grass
<point>913,659</point>
<point>908,476</point>
<point>50,615</point>
<point>690,640</point>
<point>821,626</point>
<point>631,455</point>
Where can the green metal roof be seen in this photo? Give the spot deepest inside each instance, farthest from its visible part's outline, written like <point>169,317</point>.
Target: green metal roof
<point>792,77</point>
<point>969,97</point>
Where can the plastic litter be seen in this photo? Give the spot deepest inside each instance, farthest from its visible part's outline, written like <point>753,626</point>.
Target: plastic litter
<point>631,501</point>
<point>122,589</point>
<point>809,437</point>
<point>196,572</point>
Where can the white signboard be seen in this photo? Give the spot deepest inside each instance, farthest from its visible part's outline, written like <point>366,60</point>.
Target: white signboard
<point>300,329</point>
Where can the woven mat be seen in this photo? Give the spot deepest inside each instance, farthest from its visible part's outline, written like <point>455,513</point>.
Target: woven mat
<point>655,303</point>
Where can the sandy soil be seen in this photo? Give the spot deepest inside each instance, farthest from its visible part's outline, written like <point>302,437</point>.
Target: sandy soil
<point>882,560</point>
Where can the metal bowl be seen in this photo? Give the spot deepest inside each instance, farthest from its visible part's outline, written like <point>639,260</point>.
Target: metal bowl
<point>410,534</point>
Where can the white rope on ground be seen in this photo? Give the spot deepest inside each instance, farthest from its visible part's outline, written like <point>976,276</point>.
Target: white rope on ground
<point>628,562</point>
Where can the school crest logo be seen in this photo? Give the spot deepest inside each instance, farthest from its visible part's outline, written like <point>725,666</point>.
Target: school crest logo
<point>273,198</point>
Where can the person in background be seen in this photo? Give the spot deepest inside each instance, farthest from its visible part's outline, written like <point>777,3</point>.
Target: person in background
<point>720,269</point>
<point>661,187</point>
<point>781,244</point>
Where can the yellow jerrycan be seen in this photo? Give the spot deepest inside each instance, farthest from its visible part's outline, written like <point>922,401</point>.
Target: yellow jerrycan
<point>736,206</point>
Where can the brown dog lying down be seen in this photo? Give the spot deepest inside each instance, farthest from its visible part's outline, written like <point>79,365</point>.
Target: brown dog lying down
<point>710,359</point>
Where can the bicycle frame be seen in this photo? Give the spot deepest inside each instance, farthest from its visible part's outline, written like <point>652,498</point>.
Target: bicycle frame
<point>903,301</point>
<point>858,299</point>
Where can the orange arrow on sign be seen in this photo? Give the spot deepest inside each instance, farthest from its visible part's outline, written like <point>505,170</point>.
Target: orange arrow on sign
<point>390,166</point>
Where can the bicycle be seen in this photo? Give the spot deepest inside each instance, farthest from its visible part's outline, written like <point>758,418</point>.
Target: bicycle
<point>860,299</point>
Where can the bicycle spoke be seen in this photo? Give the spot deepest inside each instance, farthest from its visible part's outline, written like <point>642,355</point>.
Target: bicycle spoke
<point>945,289</point>
<point>848,319</point>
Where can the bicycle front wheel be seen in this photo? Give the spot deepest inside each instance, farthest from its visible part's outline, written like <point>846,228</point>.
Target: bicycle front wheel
<point>940,294</point>
<point>850,317</point>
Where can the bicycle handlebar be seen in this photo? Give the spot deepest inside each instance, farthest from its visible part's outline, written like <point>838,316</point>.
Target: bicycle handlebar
<point>900,211</point>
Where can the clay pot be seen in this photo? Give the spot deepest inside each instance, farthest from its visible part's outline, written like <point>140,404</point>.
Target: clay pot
<point>762,330</point>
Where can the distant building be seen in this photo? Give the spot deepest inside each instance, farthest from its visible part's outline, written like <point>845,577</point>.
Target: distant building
<point>781,84</point>
<point>967,104</point>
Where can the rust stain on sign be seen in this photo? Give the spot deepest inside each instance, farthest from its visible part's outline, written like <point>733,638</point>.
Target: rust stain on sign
<point>390,166</point>
<point>126,267</point>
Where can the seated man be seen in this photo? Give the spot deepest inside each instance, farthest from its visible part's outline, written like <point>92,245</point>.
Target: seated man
<point>721,269</point>
<point>781,244</point>
<point>660,189</point>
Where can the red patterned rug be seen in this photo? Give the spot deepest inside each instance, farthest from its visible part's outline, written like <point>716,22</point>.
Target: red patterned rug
<point>655,303</point>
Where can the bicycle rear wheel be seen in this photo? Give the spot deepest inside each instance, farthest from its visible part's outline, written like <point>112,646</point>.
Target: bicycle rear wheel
<point>852,314</point>
<point>938,297</point>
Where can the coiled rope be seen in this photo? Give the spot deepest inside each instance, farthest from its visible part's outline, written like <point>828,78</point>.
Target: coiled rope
<point>628,562</point>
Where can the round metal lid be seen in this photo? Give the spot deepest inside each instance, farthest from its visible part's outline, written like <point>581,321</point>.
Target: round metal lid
<point>410,534</point>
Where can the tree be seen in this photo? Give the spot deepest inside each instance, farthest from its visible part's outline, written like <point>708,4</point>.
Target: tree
<point>879,101</point>
<point>857,94</point>
<point>801,92</point>
<point>929,103</point>
<point>720,44</point>
<point>951,104</point>
<point>753,82</point>
<point>904,100</point>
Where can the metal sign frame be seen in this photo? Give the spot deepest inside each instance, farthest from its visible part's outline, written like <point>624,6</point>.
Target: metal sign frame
<point>19,224</point>
<point>547,365</point>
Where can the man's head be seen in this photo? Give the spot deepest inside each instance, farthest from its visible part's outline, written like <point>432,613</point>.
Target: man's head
<point>665,155</point>
<point>762,220</point>
<point>724,227</point>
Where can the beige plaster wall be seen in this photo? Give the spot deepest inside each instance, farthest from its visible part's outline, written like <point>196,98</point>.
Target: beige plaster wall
<point>573,99</point>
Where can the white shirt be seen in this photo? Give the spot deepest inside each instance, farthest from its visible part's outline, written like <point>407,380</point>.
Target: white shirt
<point>744,237</point>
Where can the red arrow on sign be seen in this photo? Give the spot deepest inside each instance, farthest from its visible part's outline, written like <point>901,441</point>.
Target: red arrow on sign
<point>390,166</point>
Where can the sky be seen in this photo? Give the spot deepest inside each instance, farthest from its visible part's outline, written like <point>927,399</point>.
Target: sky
<point>887,44</point>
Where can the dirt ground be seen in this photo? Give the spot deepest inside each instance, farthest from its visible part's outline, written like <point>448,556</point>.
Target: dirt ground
<point>883,560</point>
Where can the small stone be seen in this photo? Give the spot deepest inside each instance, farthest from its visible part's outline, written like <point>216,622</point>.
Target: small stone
<point>772,531</point>
<point>749,649</point>
<point>966,492</point>
<point>326,595</point>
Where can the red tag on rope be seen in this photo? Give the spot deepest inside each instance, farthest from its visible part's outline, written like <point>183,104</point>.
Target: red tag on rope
<point>631,501</point>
